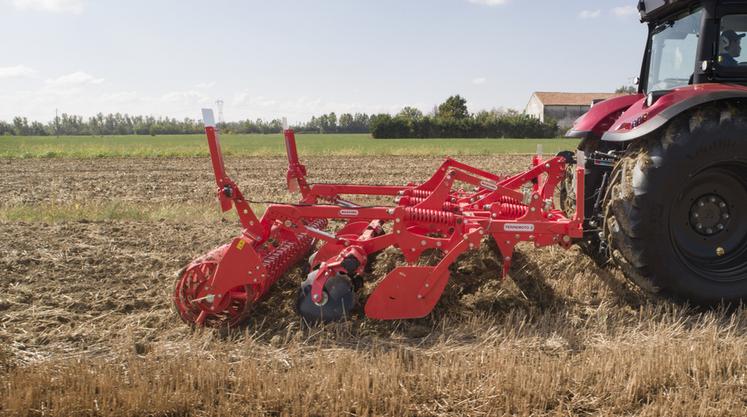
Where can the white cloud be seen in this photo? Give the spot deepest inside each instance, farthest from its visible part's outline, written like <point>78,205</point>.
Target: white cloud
<point>479,80</point>
<point>18,71</point>
<point>54,6</point>
<point>121,97</point>
<point>624,11</point>
<point>489,2</point>
<point>75,79</point>
<point>589,14</point>
<point>189,96</point>
<point>206,85</point>
<point>299,109</point>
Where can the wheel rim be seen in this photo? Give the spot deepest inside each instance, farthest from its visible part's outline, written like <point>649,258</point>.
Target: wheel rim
<point>708,223</point>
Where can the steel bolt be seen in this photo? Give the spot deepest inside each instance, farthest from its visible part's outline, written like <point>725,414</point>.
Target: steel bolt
<point>699,226</point>
<point>726,216</point>
<point>420,296</point>
<point>536,197</point>
<point>494,215</point>
<point>712,199</point>
<point>722,204</point>
<point>288,223</point>
<point>720,227</point>
<point>438,244</point>
<point>709,230</point>
<point>720,251</point>
<point>533,209</point>
<point>423,242</point>
<point>316,296</point>
<point>397,220</point>
<point>567,238</point>
<point>701,204</point>
<point>390,212</point>
<point>427,285</point>
<point>696,215</point>
<point>471,245</point>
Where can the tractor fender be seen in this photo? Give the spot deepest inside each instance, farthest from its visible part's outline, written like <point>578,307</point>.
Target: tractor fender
<point>640,119</point>
<point>600,118</point>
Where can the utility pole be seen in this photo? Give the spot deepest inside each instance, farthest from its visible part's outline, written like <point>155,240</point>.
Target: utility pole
<point>219,104</point>
<point>57,123</point>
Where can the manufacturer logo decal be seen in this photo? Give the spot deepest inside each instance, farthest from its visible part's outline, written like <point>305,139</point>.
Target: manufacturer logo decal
<point>518,227</point>
<point>489,185</point>
<point>348,212</point>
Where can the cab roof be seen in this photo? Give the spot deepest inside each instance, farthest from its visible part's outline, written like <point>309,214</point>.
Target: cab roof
<point>652,10</point>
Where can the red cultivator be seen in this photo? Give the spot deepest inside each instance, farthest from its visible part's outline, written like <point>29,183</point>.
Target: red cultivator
<point>221,287</point>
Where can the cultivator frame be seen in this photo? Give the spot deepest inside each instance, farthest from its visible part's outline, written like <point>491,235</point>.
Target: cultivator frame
<point>220,288</point>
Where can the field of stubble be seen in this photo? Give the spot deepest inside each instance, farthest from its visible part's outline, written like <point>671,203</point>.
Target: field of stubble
<point>89,250</point>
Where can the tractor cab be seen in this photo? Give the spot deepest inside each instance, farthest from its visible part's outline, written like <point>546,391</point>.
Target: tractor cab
<point>693,42</point>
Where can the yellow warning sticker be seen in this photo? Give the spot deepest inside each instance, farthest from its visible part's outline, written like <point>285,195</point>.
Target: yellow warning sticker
<point>240,244</point>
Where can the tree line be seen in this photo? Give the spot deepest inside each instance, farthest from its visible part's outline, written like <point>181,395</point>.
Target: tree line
<point>449,119</point>
<point>124,124</point>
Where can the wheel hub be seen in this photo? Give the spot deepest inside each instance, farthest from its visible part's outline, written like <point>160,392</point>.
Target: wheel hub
<point>707,227</point>
<point>709,215</point>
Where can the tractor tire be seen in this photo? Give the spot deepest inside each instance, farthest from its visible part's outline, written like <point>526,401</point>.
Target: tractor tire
<point>676,209</point>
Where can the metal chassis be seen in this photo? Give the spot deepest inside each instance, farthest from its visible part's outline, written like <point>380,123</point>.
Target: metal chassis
<point>430,216</point>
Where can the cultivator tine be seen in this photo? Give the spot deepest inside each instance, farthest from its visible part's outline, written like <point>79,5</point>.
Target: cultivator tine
<point>406,294</point>
<point>220,288</point>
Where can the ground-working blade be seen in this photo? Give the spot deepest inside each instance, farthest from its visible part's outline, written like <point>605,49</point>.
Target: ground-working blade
<point>403,293</point>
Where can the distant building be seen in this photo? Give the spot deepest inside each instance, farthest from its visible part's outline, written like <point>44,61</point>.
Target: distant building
<point>564,108</point>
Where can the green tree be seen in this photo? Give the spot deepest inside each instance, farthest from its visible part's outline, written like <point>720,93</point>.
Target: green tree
<point>454,108</point>
<point>410,113</point>
<point>626,89</point>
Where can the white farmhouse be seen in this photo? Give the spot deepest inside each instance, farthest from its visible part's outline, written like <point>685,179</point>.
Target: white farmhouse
<point>564,108</point>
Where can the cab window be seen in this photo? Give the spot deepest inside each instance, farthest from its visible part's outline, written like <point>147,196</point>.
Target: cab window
<point>674,46</point>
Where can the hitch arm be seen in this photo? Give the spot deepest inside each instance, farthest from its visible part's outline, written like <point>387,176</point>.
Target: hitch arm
<point>228,192</point>
<point>296,176</point>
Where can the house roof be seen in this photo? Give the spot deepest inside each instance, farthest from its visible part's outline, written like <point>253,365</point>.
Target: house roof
<point>572,99</point>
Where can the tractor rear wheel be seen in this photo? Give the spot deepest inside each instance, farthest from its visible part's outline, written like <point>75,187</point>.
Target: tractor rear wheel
<point>676,209</point>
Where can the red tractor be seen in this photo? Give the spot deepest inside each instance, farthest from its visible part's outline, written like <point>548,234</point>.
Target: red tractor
<point>658,185</point>
<point>667,168</point>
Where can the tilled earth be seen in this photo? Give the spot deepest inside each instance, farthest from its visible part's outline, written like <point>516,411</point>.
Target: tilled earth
<point>71,287</point>
<point>90,301</point>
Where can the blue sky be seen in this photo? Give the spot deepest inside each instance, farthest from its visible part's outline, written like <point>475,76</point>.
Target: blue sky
<point>300,58</point>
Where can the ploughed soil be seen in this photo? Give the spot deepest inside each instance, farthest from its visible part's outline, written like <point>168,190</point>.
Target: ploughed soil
<point>87,325</point>
<point>191,179</point>
<point>73,287</point>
